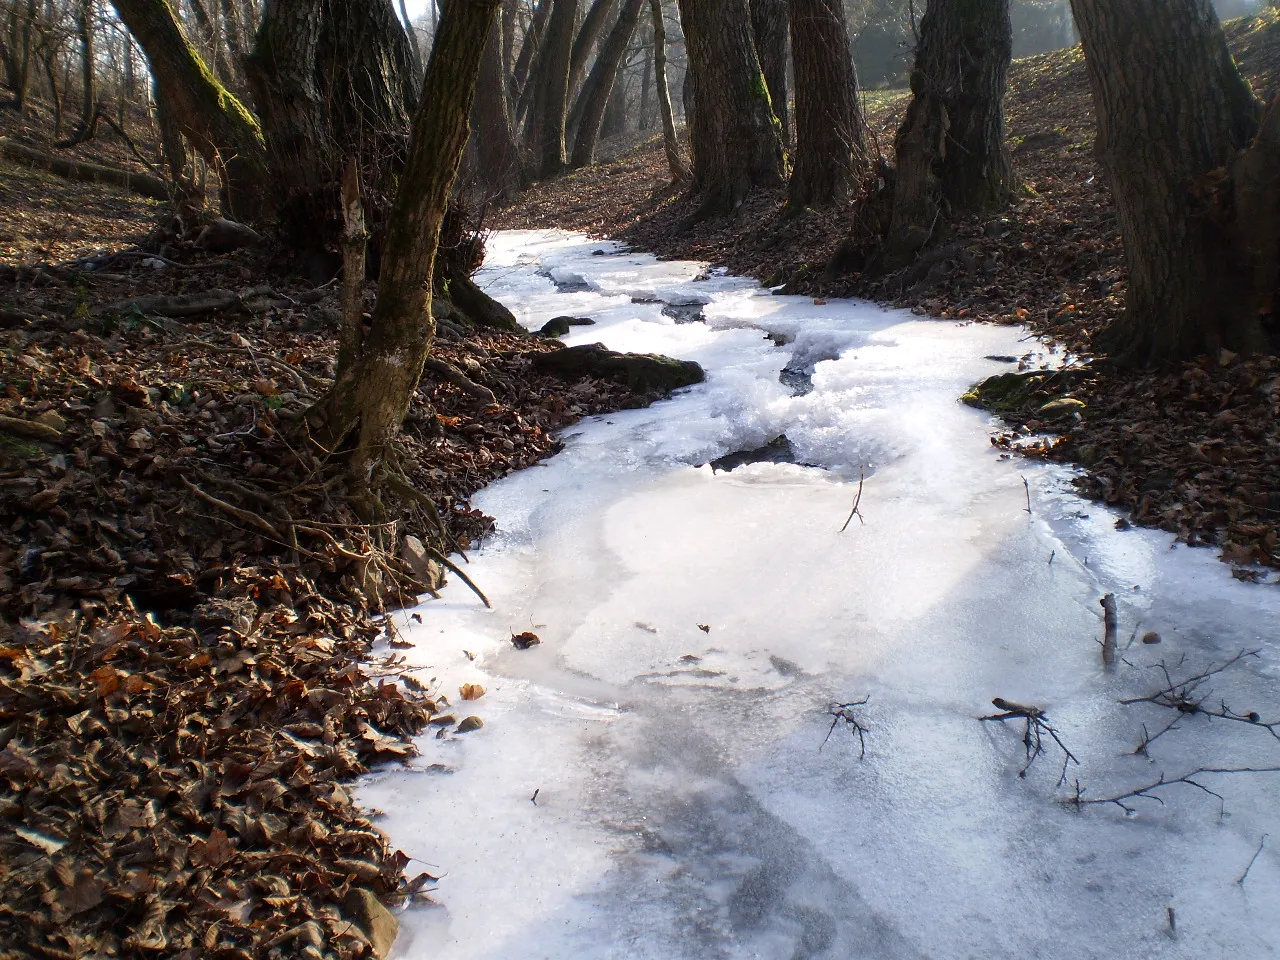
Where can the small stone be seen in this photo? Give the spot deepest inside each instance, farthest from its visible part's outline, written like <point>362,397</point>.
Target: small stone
<point>555,327</point>
<point>470,723</point>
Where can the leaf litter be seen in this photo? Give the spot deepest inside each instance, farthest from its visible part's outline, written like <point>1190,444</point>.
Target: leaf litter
<point>194,657</point>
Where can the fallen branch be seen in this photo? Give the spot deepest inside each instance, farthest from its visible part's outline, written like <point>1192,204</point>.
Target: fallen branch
<point>245,516</point>
<point>460,380</point>
<point>1184,697</point>
<point>301,379</point>
<point>1036,727</point>
<point>450,565</point>
<point>181,305</point>
<point>30,429</point>
<point>1148,792</point>
<point>1110,622</point>
<point>11,318</point>
<point>142,184</point>
<point>857,500</point>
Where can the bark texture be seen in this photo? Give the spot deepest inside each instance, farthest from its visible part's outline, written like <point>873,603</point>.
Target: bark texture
<point>215,123</point>
<point>373,393</point>
<point>599,88</point>
<point>769,23</point>
<point>331,81</point>
<point>589,34</point>
<point>549,107</point>
<point>497,156</point>
<point>830,151</point>
<point>88,70</point>
<point>680,172</point>
<point>1173,115</point>
<point>529,52</point>
<point>952,159</point>
<point>736,139</point>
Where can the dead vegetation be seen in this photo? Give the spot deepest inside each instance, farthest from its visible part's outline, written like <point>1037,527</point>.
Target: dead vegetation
<point>1036,729</point>
<point>189,601</point>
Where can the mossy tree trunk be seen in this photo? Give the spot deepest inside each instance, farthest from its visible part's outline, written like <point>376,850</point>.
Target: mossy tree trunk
<point>952,159</point>
<point>737,140</point>
<point>830,151</point>
<point>769,23</point>
<point>371,395</point>
<point>1199,213</point>
<point>213,121</point>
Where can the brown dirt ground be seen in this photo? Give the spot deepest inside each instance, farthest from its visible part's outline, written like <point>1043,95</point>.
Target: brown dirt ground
<point>1195,451</point>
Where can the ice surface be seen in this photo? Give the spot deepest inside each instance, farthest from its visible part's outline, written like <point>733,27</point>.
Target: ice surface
<point>684,808</point>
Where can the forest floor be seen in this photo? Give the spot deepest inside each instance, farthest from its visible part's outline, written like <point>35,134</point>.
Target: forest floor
<point>1195,451</point>
<point>187,611</point>
<point>187,617</point>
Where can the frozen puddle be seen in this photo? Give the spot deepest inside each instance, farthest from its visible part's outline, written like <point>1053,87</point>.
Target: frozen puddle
<point>683,806</point>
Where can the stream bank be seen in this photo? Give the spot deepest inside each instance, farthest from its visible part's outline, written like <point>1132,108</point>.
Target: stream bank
<point>652,778</point>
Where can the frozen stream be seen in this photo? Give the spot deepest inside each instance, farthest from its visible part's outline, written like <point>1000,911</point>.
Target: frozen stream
<point>684,809</point>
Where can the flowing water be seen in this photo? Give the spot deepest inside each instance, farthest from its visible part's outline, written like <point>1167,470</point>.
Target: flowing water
<point>698,623</point>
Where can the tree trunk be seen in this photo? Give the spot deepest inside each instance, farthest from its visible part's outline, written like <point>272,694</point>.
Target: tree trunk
<point>415,51</point>
<point>550,104</point>
<point>213,120</point>
<point>737,142</point>
<point>615,111</point>
<point>588,36</point>
<point>769,28</point>
<point>374,392</point>
<point>528,53</point>
<point>187,199</point>
<point>88,71</point>
<point>646,84</point>
<point>951,154</point>
<point>509,10</point>
<point>1173,112</point>
<point>331,81</point>
<point>26,47</point>
<point>600,83</point>
<point>679,169</point>
<point>497,156</point>
<point>830,152</point>
<point>217,52</point>
<point>9,48</point>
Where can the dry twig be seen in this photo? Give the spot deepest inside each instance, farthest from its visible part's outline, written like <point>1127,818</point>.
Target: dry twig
<point>1148,792</point>
<point>1184,697</point>
<point>1036,728</point>
<point>1110,624</point>
<point>845,712</point>
<point>857,499</point>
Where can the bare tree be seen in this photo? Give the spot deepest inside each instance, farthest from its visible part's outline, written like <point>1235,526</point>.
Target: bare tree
<point>736,139</point>
<point>680,172</point>
<point>1199,213</point>
<point>952,158</point>
<point>371,394</point>
<point>830,153</point>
